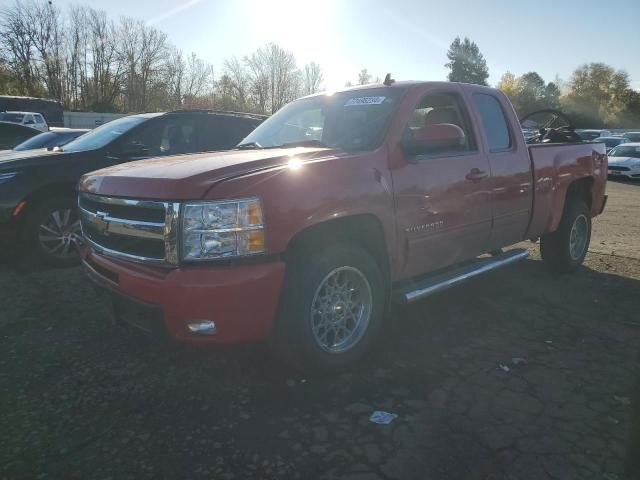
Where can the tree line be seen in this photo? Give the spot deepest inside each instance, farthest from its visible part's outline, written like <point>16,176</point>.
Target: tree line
<point>89,61</point>
<point>595,96</point>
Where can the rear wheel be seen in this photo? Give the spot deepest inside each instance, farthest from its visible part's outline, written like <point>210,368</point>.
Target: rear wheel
<point>332,308</point>
<point>52,229</point>
<point>565,249</point>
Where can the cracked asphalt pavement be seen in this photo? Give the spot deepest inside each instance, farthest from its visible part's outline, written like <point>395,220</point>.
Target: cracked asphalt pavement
<point>520,374</point>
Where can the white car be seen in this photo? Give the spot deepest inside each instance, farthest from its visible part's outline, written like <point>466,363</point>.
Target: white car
<point>610,142</point>
<point>28,119</point>
<point>624,161</point>
<point>589,135</point>
<point>632,136</point>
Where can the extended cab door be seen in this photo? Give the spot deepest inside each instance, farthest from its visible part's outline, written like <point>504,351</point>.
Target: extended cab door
<point>511,176</point>
<point>443,214</point>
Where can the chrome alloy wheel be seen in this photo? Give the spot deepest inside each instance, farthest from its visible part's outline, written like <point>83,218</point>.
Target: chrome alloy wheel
<point>578,237</point>
<point>59,234</point>
<point>341,309</point>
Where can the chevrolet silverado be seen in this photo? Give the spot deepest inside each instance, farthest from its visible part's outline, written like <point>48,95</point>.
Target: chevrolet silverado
<point>334,208</point>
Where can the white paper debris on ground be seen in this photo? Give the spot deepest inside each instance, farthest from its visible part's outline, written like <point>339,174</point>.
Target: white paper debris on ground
<point>519,361</point>
<point>504,368</point>
<point>382,418</point>
<point>548,342</point>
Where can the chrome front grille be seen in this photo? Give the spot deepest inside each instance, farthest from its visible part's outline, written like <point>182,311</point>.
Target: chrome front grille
<point>139,230</point>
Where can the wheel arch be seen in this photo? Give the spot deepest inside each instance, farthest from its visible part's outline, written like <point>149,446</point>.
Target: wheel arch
<point>363,230</point>
<point>45,192</point>
<point>581,188</point>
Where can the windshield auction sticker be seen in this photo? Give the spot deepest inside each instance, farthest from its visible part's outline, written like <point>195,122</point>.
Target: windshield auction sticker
<point>354,102</point>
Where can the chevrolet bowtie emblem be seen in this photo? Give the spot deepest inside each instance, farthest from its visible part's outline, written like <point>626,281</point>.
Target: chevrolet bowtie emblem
<point>101,223</point>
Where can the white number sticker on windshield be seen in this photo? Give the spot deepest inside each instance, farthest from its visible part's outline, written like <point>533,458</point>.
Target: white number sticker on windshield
<point>354,102</point>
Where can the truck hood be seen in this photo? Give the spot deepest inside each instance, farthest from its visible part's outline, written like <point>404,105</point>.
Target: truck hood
<point>189,177</point>
<point>624,161</point>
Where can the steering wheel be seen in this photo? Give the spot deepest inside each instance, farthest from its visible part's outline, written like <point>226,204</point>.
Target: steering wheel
<point>551,126</point>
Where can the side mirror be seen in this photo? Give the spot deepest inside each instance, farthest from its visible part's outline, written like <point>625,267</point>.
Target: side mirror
<point>431,139</point>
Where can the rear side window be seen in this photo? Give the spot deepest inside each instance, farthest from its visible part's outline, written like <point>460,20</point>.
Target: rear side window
<point>220,132</point>
<point>493,121</point>
<point>39,119</point>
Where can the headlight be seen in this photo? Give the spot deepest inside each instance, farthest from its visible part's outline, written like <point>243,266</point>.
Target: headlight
<point>223,229</point>
<point>6,176</point>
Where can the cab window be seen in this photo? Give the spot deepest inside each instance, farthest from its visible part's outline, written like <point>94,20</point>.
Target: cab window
<point>442,114</point>
<point>494,122</point>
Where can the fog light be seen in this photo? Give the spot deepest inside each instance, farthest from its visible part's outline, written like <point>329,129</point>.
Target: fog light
<point>203,327</point>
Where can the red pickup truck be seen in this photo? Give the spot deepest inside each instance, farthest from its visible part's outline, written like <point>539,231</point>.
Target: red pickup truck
<point>335,207</point>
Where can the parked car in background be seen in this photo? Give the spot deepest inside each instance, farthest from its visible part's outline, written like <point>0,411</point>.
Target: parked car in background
<point>12,134</point>
<point>586,134</point>
<point>331,209</point>
<point>632,136</point>
<point>50,109</point>
<point>28,119</point>
<point>38,201</point>
<point>55,137</point>
<point>624,161</point>
<point>610,142</point>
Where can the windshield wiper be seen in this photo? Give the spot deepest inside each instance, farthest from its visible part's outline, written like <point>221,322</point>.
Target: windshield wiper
<point>249,146</point>
<point>304,143</point>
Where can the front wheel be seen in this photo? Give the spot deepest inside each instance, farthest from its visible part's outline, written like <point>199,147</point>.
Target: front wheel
<point>52,229</point>
<point>332,308</point>
<point>565,249</point>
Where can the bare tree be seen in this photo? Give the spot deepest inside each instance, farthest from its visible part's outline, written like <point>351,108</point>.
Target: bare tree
<point>260,85</point>
<point>175,71</point>
<point>47,37</point>
<point>273,69</point>
<point>153,52</point>
<point>364,77</point>
<point>313,78</point>
<point>106,69</point>
<point>236,82</point>
<point>129,32</point>
<point>199,76</point>
<point>16,39</point>
<point>75,58</point>
<point>87,61</point>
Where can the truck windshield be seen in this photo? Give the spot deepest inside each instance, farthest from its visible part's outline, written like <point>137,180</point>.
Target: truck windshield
<point>356,120</point>
<point>104,134</point>
<point>625,151</point>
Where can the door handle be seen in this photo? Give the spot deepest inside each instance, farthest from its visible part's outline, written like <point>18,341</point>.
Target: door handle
<point>475,175</point>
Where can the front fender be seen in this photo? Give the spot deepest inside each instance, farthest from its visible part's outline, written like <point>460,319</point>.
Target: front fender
<point>298,196</point>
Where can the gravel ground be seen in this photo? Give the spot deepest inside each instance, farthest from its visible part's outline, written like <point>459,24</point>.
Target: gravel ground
<point>519,375</point>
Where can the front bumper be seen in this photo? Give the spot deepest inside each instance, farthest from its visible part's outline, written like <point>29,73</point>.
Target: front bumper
<point>241,299</point>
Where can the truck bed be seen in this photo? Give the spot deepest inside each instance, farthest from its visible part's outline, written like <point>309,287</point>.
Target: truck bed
<point>554,167</point>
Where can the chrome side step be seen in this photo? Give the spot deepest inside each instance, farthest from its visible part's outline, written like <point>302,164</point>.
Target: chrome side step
<point>431,285</point>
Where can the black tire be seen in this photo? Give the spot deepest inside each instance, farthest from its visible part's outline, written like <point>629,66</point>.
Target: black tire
<point>293,339</point>
<point>556,247</point>
<point>52,231</point>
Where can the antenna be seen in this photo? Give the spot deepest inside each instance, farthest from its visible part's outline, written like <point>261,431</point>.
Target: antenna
<point>388,80</point>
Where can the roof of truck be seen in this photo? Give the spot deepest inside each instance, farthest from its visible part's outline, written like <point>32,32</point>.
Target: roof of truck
<point>395,84</point>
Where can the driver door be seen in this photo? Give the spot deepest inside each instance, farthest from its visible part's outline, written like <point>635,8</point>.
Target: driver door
<point>443,209</point>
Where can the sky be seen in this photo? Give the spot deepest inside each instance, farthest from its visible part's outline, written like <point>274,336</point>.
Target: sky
<point>408,38</point>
